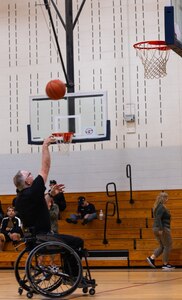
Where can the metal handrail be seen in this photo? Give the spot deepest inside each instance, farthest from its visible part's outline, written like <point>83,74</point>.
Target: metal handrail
<point>128,175</point>
<point>110,194</point>
<point>105,241</point>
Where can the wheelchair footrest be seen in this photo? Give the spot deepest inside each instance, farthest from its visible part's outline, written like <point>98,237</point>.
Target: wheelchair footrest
<point>87,283</point>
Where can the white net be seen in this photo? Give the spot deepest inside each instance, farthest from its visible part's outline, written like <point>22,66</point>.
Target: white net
<point>154,56</point>
<point>63,141</point>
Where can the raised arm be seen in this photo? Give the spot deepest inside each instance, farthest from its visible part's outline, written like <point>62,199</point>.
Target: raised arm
<point>46,158</point>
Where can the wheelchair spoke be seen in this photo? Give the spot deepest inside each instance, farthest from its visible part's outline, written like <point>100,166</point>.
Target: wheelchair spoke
<point>49,271</point>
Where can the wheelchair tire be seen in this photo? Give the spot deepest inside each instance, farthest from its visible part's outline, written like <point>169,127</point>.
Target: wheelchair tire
<point>49,272</point>
<point>19,269</point>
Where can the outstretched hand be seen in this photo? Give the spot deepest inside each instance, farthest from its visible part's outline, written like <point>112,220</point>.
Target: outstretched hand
<point>49,140</point>
<point>57,188</point>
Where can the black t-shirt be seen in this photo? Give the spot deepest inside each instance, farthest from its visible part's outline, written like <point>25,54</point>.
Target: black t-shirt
<point>84,210</point>
<point>59,199</point>
<point>32,208</point>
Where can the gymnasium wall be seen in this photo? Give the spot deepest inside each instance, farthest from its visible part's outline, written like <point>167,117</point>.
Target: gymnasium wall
<point>104,60</point>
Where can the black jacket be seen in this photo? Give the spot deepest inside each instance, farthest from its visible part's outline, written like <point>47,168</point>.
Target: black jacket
<point>84,210</point>
<point>16,226</point>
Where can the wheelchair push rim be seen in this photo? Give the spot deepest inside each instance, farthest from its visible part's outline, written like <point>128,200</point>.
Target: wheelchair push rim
<point>49,271</point>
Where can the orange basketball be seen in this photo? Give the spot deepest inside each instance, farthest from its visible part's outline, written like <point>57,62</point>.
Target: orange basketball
<point>55,89</point>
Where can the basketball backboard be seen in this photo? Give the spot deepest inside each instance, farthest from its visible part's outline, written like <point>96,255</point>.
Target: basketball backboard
<point>88,118</point>
<point>173,26</point>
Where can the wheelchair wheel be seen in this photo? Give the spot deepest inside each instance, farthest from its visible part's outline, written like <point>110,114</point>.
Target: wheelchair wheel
<point>53,269</point>
<point>20,274</point>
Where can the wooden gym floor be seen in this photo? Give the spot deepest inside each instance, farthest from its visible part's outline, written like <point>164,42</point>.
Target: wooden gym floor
<point>113,284</point>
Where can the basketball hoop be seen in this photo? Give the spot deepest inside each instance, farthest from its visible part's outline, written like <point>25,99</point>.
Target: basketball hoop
<point>154,56</point>
<point>63,140</point>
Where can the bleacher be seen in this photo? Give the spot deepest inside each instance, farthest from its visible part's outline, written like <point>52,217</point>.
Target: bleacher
<point>127,243</point>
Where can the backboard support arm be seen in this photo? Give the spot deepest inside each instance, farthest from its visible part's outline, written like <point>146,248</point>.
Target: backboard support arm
<point>68,25</point>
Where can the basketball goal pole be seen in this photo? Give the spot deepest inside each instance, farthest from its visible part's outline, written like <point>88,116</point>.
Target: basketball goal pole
<point>69,26</point>
<point>57,42</point>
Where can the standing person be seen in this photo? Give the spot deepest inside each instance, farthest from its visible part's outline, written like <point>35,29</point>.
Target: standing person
<point>10,228</point>
<point>58,197</point>
<point>162,232</point>
<point>32,207</point>
<point>86,211</point>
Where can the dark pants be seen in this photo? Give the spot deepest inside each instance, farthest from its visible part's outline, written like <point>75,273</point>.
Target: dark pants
<point>76,243</point>
<point>73,241</point>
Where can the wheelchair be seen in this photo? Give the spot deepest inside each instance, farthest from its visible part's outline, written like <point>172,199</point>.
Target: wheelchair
<point>45,266</point>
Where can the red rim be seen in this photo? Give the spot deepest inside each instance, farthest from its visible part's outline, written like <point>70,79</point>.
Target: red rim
<point>149,45</point>
<point>60,134</point>
<point>57,134</point>
<point>66,136</point>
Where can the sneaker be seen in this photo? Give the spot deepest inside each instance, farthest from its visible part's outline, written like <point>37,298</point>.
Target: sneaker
<point>74,222</point>
<point>85,221</point>
<point>68,220</point>
<point>15,243</point>
<point>168,267</point>
<point>151,262</point>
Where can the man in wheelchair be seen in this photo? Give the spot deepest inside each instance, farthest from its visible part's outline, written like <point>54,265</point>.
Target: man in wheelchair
<point>32,207</point>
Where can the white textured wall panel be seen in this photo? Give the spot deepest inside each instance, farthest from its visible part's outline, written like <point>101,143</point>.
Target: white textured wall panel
<point>104,59</point>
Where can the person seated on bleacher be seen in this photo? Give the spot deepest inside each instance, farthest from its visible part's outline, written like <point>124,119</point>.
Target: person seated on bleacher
<point>53,212</point>
<point>11,228</point>
<point>2,241</point>
<point>58,197</point>
<point>1,212</point>
<point>14,201</point>
<point>15,198</point>
<point>86,211</point>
